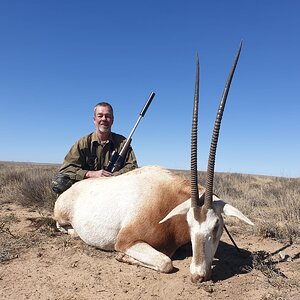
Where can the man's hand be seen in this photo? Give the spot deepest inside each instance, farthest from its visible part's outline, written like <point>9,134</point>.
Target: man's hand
<point>96,174</point>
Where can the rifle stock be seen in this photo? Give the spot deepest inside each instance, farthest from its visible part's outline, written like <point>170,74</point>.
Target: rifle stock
<point>117,159</point>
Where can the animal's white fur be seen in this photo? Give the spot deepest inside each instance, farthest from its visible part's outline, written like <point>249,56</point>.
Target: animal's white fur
<point>204,239</point>
<point>144,255</point>
<point>123,213</point>
<point>99,208</point>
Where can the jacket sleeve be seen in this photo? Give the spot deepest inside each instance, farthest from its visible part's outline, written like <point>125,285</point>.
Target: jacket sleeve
<point>74,164</point>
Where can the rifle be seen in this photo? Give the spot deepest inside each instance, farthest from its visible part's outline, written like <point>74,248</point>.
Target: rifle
<point>116,158</point>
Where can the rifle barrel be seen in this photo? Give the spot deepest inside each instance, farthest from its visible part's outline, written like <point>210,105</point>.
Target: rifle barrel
<point>142,113</point>
<point>148,102</point>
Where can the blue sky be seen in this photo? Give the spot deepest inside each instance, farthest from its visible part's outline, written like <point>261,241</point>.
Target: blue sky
<point>59,58</point>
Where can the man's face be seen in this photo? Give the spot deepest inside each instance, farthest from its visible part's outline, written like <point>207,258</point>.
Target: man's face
<point>103,119</point>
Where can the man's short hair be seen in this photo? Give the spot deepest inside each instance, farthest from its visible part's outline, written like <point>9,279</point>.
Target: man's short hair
<point>104,104</point>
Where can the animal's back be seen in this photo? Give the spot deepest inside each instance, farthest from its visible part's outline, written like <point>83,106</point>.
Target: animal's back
<point>99,208</point>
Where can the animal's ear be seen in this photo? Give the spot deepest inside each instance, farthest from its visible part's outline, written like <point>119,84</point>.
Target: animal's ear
<point>180,209</point>
<point>228,210</point>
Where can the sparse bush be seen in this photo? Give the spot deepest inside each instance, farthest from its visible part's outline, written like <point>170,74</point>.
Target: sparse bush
<point>27,184</point>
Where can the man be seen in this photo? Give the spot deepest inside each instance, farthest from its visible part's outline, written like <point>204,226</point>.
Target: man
<point>90,155</point>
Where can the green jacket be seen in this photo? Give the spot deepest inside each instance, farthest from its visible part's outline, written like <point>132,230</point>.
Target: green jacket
<point>88,154</point>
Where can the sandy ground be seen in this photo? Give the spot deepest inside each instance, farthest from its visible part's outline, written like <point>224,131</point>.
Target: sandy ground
<point>36,262</point>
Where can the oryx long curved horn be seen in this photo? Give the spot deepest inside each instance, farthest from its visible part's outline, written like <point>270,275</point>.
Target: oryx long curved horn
<point>194,171</point>
<point>215,136</point>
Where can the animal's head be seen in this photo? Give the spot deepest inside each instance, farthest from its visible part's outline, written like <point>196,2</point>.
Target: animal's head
<point>204,213</point>
<point>206,227</point>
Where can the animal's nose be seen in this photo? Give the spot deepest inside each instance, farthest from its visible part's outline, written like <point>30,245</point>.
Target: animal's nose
<point>196,278</point>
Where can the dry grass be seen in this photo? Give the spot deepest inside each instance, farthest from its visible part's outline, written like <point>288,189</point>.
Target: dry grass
<point>27,184</point>
<point>272,203</point>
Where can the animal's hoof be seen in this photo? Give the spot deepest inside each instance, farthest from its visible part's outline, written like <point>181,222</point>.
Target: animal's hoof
<point>120,256</point>
<point>197,278</point>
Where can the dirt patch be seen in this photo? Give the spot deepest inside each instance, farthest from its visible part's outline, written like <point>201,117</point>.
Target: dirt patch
<point>37,262</point>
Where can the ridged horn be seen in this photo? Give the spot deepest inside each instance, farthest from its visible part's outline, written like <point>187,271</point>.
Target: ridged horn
<point>215,136</point>
<point>194,170</point>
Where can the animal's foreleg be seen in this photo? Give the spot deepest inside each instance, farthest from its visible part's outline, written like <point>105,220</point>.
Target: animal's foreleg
<point>144,255</point>
<point>67,229</point>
